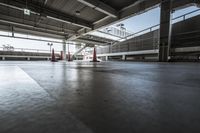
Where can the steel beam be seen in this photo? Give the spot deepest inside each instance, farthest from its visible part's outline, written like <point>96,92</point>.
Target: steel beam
<point>77,52</point>
<point>90,41</point>
<point>48,12</point>
<point>101,7</point>
<point>123,14</point>
<point>132,10</point>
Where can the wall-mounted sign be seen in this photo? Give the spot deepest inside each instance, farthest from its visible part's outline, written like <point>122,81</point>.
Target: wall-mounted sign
<point>27,12</point>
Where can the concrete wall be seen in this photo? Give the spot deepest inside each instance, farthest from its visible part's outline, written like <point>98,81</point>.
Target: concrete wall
<point>13,55</point>
<point>23,53</point>
<point>147,41</point>
<point>186,33</point>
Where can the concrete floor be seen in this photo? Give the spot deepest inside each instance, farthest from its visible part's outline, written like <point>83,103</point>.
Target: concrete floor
<point>106,97</point>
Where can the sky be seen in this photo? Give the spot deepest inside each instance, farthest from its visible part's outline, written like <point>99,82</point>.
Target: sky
<point>150,18</point>
<point>146,20</point>
<point>133,24</point>
<point>142,21</point>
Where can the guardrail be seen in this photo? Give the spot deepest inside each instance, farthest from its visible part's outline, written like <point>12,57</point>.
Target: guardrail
<point>27,50</point>
<point>155,37</point>
<point>157,26</point>
<point>184,16</point>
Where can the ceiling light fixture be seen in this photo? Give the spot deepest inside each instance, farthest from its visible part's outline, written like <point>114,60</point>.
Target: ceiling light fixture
<point>78,13</point>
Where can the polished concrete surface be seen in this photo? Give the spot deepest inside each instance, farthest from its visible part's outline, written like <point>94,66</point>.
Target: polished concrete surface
<point>105,97</point>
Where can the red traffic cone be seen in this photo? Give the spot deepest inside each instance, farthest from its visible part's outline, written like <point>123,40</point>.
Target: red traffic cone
<point>94,56</point>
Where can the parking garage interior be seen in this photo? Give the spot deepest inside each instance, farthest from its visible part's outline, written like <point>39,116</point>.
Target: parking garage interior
<point>81,70</point>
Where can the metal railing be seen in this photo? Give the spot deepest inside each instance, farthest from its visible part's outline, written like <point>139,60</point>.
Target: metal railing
<point>117,32</point>
<point>184,16</point>
<point>157,26</point>
<point>139,41</point>
<point>26,50</point>
<point>30,38</point>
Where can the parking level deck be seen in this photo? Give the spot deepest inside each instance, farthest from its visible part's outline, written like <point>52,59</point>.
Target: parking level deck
<point>105,97</point>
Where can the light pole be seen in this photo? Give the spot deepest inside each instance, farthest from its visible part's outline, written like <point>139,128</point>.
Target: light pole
<point>68,53</point>
<point>50,45</point>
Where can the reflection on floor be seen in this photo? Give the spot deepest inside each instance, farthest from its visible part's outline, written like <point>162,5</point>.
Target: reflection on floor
<point>106,97</point>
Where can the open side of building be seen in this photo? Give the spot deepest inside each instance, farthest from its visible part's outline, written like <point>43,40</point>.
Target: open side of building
<point>68,96</point>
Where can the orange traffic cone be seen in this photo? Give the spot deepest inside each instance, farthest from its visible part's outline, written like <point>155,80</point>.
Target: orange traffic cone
<point>94,56</point>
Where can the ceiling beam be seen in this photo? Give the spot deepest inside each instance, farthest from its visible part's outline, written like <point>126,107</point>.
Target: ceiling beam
<point>101,7</point>
<point>49,13</point>
<point>132,10</point>
<point>127,12</point>
<point>26,31</point>
<point>91,41</point>
<point>30,25</point>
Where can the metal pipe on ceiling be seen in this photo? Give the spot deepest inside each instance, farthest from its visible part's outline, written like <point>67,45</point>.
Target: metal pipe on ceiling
<point>36,13</point>
<point>26,38</point>
<point>17,8</point>
<point>101,7</point>
<point>30,26</point>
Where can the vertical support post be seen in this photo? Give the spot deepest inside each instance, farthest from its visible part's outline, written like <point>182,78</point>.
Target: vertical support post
<point>94,55</point>
<point>53,58</point>
<point>13,34</point>
<point>124,57</point>
<point>106,58</point>
<point>61,55</point>
<point>3,58</point>
<point>69,58</point>
<point>165,30</point>
<point>64,50</point>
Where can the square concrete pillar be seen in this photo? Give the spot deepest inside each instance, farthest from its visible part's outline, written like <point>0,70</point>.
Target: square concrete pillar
<point>165,30</point>
<point>123,57</point>
<point>64,50</point>
<point>106,58</point>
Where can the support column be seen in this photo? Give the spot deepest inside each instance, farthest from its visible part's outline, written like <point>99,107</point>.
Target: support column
<point>94,55</point>
<point>64,50</point>
<point>3,58</point>
<point>61,55</point>
<point>123,57</point>
<point>106,58</point>
<point>69,56</point>
<point>165,30</point>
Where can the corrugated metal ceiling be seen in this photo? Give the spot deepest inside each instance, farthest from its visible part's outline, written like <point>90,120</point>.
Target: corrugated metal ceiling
<point>118,4</point>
